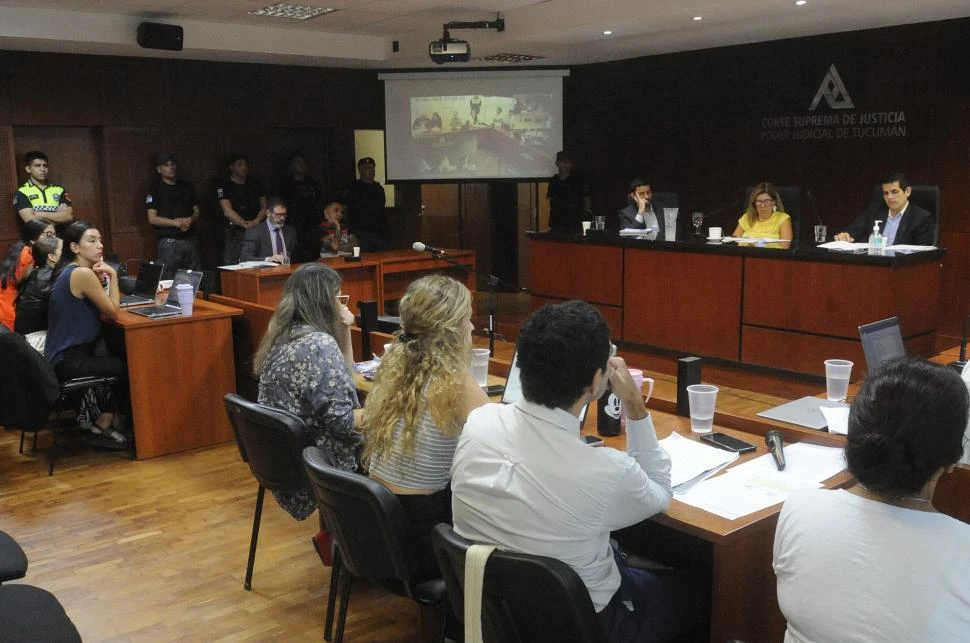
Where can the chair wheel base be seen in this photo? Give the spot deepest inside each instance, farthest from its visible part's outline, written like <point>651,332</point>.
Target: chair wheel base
<point>248,587</point>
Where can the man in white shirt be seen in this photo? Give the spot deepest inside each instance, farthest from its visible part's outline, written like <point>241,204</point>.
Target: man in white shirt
<point>523,479</point>
<point>641,212</point>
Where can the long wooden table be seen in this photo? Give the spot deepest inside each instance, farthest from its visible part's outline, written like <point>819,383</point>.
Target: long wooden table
<point>380,276</point>
<point>179,368</point>
<point>787,309</point>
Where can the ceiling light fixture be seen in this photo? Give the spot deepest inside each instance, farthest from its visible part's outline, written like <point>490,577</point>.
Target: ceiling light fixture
<point>799,3</point>
<point>698,18</point>
<point>607,33</point>
<point>291,11</point>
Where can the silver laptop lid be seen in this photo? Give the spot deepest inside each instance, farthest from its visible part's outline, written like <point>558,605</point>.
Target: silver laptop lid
<point>183,276</point>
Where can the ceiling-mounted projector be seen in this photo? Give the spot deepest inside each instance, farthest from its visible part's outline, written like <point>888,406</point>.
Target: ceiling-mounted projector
<point>449,50</point>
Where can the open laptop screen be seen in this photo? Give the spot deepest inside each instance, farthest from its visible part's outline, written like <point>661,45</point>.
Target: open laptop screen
<point>513,388</point>
<point>881,341</point>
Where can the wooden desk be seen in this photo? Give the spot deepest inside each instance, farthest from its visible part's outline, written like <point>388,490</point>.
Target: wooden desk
<point>264,286</point>
<point>379,276</point>
<point>786,309</point>
<point>179,368</point>
<point>744,604</point>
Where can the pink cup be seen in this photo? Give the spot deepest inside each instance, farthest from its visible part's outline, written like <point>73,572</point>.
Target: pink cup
<point>638,379</point>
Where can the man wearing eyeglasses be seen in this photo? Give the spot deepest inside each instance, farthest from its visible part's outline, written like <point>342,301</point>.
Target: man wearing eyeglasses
<point>271,240</point>
<point>524,480</point>
<point>903,222</point>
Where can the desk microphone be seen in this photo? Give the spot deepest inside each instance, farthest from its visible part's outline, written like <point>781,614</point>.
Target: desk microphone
<point>960,363</point>
<point>420,247</point>
<point>774,441</point>
<point>734,205</point>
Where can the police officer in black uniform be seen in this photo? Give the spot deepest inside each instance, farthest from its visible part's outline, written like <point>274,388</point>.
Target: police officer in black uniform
<point>243,203</point>
<point>172,212</point>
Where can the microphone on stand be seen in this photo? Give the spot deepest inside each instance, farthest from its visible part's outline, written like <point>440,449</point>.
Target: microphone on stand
<point>421,247</point>
<point>775,445</point>
<point>811,203</point>
<point>960,363</point>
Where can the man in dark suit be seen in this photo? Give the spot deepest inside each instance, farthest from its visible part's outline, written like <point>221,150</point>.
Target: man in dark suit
<point>903,222</point>
<point>272,239</point>
<point>640,212</point>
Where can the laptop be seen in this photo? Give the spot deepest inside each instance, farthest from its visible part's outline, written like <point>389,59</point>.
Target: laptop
<point>146,285</point>
<point>513,388</point>
<point>171,307</point>
<point>803,412</point>
<point>881,341</point>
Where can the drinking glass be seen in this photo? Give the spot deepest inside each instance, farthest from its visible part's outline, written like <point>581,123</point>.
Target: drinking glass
<point>698,219</point>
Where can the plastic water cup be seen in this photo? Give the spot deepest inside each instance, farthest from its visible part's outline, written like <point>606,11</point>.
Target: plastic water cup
<point>670,223</point>
<point>479,366</point>
<point>599,223</point>
<point>357,251</point>
<point>286,260</point>
<point>821,232</point>
<point>186,298</point>
<point>586,225</point>
<point>702,399</point>
<point>837,374</point>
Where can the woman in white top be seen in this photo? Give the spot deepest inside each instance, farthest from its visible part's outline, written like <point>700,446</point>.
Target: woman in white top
<point>422,394</point>
<point>877,562</point>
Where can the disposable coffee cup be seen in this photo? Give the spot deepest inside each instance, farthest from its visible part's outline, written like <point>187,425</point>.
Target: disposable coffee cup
<point>714,232</point>
<point>186,298</point>
<point>837,374</point>
<point>479,366</point>
<point>702,399</point>
<point>357,251</point>
<point>586,225</point>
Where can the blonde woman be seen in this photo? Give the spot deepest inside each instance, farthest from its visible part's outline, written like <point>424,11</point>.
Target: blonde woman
<point>422,395</point>
<point>765,216</point>
<point>304,366</point>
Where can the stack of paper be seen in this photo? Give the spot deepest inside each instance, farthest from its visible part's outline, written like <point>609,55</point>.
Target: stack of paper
<point>250,264</point>
<point>636,232</point>
<point>754,240</point>
<point>691,462</point>
<point>758,484</point>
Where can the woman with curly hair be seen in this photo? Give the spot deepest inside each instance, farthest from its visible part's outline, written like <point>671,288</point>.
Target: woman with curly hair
<point>422,395</point>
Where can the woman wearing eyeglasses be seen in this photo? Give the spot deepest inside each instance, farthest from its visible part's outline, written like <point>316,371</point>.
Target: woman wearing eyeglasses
<point>304,365</point>
<point>423,392</point>
<point>16,265</point>
<point>765,217</point>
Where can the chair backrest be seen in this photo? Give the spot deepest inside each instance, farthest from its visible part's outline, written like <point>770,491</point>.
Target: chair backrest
<point>271,441</point>
<point>525,598</point>
<point>791,198</point>
<point>925,196</point>
<point>367,521</point>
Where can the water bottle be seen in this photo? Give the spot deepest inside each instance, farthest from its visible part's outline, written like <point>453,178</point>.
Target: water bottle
<point>877,242</point>
<point>608,413</point>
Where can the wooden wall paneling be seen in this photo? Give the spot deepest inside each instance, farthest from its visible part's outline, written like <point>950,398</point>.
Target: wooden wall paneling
<point>612,314</point>
<point>5,118</point>
<point>590,272</point>
<point>129,161</point>
<point>77,83</point>
<point>313,142</point>
<point>9,230</point>
<point>685,301</point>
<point>133,91</point>
<point>75,164</point>
<point>211,94</point>
<point>476,213</point>
<point>440,220</point>
<point>955,304</point>
<point>297,97</point>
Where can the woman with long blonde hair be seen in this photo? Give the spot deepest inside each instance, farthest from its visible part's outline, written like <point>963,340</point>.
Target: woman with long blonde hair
<point>765,217</point>
<point>422,395</point>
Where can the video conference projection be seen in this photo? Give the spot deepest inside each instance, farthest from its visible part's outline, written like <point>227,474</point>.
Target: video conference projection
<point>472,125</point>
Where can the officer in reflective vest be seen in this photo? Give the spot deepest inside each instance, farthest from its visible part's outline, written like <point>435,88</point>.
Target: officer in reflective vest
<point>37,197</point>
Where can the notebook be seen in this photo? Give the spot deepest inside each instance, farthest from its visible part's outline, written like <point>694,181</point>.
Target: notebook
<point>171,307</point>
<point>513,388</point>
<point>803,412</point>
<point>881,341</point>
<point>146,285</point>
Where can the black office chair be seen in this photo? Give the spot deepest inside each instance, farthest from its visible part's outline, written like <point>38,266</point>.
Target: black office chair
<point>371,532</point>
<point>791,199</point>
<point>13,560</point>
<point>271,442</point>
<point>33,398</point>
<point>525,598</point>
<point>28,613</point>
<point>370,321</point>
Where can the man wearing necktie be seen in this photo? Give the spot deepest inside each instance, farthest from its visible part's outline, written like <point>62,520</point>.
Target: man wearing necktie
<point>271,240</point>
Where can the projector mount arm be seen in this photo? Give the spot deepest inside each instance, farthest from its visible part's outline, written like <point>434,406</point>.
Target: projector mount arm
<point>498,25</point>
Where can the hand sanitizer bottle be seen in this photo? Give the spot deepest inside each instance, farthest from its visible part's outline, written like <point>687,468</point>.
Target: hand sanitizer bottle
<point>877,242</point>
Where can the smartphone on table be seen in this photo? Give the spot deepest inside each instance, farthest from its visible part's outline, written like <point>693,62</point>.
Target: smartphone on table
<point>727,442</point>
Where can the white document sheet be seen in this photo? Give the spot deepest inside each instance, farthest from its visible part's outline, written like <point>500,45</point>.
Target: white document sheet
<point>690,459</point>
<point>837,418</point>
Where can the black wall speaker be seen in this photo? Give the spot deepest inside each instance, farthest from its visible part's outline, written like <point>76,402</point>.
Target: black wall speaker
<point>155,35</point>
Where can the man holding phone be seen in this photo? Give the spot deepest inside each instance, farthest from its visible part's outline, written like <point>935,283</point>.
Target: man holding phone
<point>523,479</point>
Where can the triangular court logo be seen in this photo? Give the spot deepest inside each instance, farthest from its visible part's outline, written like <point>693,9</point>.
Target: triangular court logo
<point>833,91</point>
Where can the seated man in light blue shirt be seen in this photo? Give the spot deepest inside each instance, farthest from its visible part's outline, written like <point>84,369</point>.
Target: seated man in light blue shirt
<point>523,479</point>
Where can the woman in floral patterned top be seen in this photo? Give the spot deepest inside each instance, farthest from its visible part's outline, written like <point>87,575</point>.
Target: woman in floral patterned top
<point>304,365</point>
